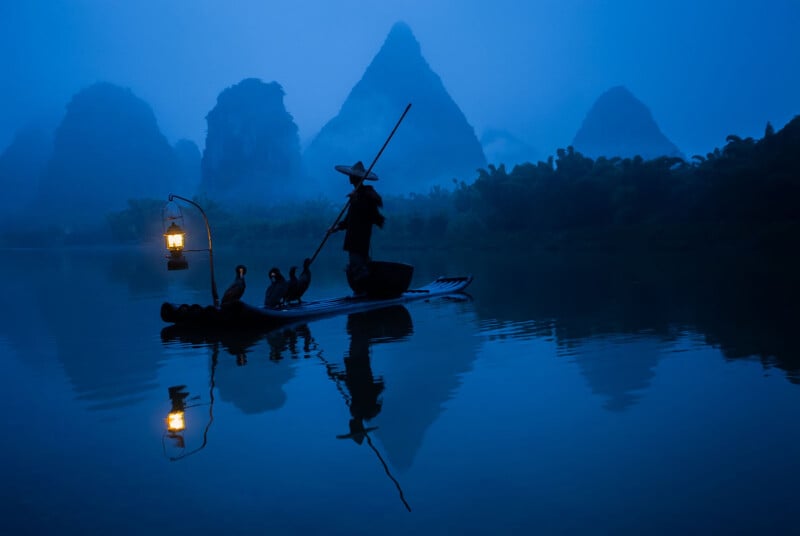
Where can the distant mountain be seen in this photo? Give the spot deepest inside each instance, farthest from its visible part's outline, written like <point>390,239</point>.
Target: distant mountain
<point>502,147</point>
<point>108,149</point>
<point>21,166</point>
<point>433,145</point>
<point>252,152</point>
<point>619,124</point>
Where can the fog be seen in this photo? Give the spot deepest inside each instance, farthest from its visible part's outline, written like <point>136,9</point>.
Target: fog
<point>704,68</point>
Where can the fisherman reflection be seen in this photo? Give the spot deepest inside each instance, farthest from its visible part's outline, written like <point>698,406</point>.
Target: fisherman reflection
<point>365,390</point>
<point>367,328</point>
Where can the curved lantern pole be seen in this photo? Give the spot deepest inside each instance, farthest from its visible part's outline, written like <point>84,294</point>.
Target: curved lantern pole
<point>175,240</point>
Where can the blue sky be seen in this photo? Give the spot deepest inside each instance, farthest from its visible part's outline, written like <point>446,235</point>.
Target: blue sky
<point>705,69</point>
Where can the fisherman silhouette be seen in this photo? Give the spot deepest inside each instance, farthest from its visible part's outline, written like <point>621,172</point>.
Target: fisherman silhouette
<point>362,213</point>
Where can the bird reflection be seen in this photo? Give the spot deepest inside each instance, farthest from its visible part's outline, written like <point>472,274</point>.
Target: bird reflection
<point>237,343</point>
<point>285,341</point>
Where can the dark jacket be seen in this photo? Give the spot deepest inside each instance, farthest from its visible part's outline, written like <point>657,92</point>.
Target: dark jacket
<point>362,214</point>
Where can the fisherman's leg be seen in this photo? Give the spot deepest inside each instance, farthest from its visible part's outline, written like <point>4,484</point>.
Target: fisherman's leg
<point>359,266</point>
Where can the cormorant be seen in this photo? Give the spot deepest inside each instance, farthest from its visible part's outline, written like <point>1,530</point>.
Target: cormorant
<point>305,279</point>
<point>236,290</point>
<point>276,292</point>
<point>294,286</point>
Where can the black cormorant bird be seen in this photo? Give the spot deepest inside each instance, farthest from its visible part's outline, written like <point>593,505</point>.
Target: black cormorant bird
<point>236,290</point>
<point>276,292</point>
<point>293,286</point>
<point>305,279</point>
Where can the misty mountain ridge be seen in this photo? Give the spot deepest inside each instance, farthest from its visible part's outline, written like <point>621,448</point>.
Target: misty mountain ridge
<point>433,145</point>
<point>502,147</point>
<point>188,159</point>
<point>21,166</point>
<point>619,124</point>
<point>108,147</point>
<point>106,150</point>
<point>252,151</point>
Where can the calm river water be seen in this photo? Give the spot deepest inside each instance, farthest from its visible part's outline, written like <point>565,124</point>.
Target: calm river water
<point>565,396</point>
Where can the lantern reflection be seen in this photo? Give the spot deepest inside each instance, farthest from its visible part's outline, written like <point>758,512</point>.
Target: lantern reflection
<point>176,424</point>
<point>176,420</point>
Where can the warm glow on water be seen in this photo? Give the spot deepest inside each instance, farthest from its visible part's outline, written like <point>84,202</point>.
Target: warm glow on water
<point>175,422</point>
<point>575,403</point>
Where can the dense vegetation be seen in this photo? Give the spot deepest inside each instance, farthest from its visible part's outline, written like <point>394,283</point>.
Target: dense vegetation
<point>748,182</point>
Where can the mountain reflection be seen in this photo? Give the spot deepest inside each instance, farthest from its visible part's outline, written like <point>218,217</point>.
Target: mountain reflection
<point>618,370</point>
<point>68,309</point>
<point>740,303</point>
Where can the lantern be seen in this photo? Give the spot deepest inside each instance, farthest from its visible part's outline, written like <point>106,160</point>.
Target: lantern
<point>174,237</point>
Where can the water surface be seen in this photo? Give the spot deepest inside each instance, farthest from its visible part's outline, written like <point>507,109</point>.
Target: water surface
<point>567,395</point>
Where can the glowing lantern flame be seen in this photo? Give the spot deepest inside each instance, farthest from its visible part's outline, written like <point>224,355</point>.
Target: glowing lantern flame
<point>174,237</point>
<point>176,422</point>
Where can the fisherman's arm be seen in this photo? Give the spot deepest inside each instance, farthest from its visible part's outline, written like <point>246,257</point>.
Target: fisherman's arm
<point>338,227</point>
